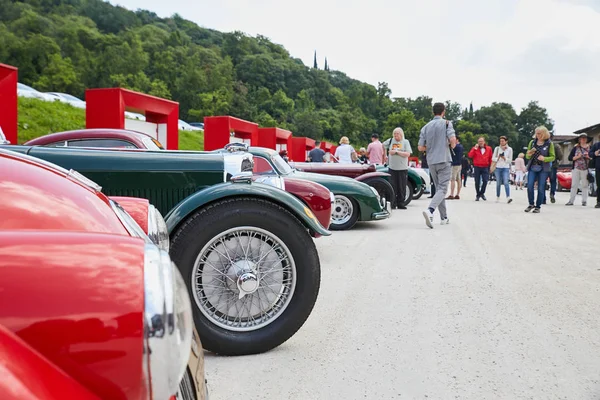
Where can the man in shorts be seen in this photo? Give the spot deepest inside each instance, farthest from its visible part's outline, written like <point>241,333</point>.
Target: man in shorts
<point>455,179</point>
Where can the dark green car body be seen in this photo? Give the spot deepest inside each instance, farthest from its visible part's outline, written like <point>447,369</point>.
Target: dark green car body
<point>175,182</point>
<point>371,206</point>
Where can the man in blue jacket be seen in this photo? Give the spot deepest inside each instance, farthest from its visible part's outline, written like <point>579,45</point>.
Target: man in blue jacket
<point>595,155</point>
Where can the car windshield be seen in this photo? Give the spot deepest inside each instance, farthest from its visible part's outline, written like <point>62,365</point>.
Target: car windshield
<point>282,166</point>
<point>152,144</point>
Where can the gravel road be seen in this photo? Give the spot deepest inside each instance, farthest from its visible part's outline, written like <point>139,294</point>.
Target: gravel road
<point>499,304</point>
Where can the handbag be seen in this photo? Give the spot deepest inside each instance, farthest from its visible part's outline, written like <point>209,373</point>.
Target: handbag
<point>493,165</point>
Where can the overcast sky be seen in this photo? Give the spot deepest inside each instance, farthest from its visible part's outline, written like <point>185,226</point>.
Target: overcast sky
<point>512,51</point>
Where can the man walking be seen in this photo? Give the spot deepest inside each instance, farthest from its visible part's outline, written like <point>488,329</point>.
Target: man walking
<point>481,154</point>
<point>317,154</point>
<point>455,179</point>
<point>434,138</point>
<point>399,150</point>
<point>595,156</point>
<point>375,151</point>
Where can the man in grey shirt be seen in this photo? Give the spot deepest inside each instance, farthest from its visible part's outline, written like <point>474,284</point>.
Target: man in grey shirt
<point>437,137</point>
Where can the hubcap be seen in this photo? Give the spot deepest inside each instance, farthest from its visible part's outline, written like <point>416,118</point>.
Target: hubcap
<point>244,279</point>
<point>342,210</point>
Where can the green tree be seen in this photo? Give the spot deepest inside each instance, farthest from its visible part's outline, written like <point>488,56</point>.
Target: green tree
<point>530,117</point>
<point>59,76</point>
<point>497,120</point>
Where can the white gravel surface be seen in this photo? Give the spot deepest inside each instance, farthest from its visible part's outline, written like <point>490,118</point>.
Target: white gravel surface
<point>499,304</point>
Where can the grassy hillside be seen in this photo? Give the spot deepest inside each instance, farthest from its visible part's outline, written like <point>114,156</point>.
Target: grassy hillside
<point>39,118</point>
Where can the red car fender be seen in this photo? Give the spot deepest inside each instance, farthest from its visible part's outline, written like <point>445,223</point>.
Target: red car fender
<point>366,176</point>
<point>313,194</point>
<point>78,299</point>
<point>35,196</point>
<point>27,375</point>
<point>137,208</point>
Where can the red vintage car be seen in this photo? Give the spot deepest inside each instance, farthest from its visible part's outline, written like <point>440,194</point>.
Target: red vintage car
<point>316,196</point>
<point>91,308</point>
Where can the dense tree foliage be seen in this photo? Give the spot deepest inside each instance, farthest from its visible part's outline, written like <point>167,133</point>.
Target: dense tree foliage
<point>71,45</point>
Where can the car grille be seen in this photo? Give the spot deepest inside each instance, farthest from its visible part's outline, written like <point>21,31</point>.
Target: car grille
<point>186,388</point>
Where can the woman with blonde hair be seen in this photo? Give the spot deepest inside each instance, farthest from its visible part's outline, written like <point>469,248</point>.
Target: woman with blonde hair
<point>345,153</point>
<point>540,153</point>
<point>520,170</point>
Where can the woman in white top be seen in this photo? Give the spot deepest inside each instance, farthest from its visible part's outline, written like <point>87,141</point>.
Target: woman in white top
<point>345,153</point>
<point>503,157</point>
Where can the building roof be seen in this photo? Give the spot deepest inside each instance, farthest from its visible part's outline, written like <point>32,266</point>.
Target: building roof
<point>590,129</point>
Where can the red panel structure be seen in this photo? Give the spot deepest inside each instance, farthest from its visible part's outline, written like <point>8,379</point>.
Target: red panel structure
<point>300,148</point>
<point>326,146</point>
<point>219,130</point>
<point>8,102</point>
<point>275,138</point>
<point>105,108</point>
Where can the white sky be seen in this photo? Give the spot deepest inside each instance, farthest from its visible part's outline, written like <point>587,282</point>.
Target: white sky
<point>512,51</point>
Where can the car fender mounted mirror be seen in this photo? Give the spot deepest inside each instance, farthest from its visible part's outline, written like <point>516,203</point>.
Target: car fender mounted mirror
<point>242,177</point>
<point>233,147</point>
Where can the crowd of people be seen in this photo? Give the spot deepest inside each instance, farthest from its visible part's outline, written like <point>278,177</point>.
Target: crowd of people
<point>449,165</point>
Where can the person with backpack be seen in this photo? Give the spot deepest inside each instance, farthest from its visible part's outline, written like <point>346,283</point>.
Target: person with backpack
<point>398,152</point>
<point>437,138</point>
<point>540,153</point>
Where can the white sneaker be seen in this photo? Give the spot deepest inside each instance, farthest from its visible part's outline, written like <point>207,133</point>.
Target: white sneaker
<point>428,218</point>
<point>445,221</point>
<point>497,199</point>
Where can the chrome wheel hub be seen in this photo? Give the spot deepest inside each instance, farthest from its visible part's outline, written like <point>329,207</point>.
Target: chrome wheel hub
<point>244,279</point>
<point>342,210</point>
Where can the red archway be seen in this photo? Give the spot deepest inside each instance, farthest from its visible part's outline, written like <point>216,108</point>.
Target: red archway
<point>300,148</point>
<point>105,108</point>
<point>8,102</point>
<point>218,132</point>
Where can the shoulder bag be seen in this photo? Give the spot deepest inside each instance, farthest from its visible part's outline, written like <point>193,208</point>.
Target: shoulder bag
<point>493,165</point>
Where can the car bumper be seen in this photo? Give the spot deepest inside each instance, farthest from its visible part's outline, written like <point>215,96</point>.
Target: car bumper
<point>387,210</point>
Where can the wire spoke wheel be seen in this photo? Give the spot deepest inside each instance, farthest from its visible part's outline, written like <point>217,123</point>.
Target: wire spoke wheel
<point>244,279</point>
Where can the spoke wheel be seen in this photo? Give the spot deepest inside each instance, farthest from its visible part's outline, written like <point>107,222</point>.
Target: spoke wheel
<point>253,271</point>
<point>244,278</point>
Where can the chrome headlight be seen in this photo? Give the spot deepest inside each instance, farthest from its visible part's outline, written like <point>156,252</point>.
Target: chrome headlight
<point>168,323</point>
<point>272,180</point>
<point>157,229</point>
<point>375,192</point>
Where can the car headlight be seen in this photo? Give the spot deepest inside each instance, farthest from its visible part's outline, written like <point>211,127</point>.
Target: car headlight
<point>168,323</point>
<point>375,192</point>
<point>272,180</point>
<point>157,229</point>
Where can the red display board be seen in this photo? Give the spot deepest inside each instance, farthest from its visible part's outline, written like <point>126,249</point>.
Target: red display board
<point>275,138</point>
<point>218,132</point>
<point>105,108</point>
<point>300,148</point>
<point>8,102</point>
<point>326,146</point>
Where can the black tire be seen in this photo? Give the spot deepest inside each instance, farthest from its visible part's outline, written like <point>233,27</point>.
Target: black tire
<point>383,187</point>
<point>410,188</point>
<point>208,223</point>
<point>334,225</point>
<point>417,196</point>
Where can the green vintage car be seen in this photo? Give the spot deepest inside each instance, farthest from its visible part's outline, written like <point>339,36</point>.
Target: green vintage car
<point>354,200</point>
<point>244,248</point>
